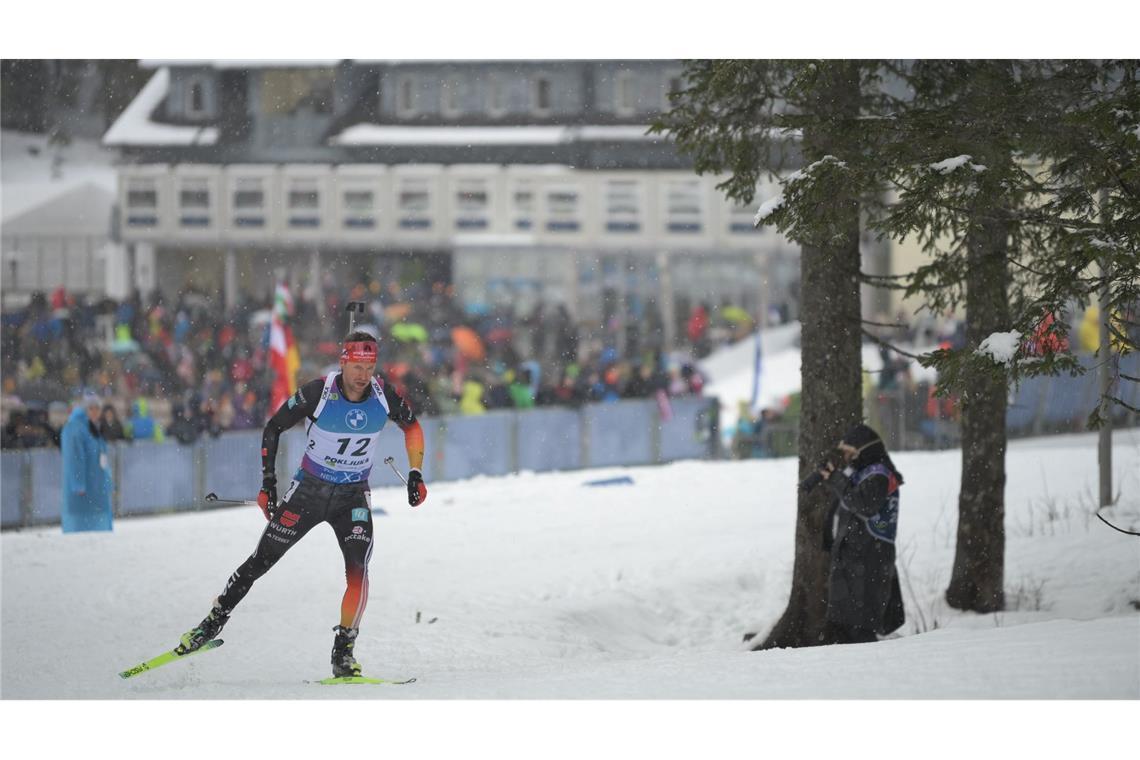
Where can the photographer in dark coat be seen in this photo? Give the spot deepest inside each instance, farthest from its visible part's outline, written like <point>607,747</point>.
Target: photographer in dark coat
<point>864,598</point>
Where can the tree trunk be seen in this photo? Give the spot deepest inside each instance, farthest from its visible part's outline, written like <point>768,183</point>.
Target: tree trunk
<point>978,577</point>
<point>831,366</point>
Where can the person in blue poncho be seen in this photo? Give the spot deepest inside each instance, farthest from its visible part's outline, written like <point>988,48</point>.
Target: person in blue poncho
<point>86,470</point>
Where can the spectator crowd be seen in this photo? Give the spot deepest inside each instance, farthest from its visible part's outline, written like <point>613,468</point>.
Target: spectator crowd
<point>180,366</point>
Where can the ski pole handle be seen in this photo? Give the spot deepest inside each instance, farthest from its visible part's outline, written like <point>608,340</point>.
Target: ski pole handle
<point>213,499</point>
<point>389,461</point>
<point>354,308</point>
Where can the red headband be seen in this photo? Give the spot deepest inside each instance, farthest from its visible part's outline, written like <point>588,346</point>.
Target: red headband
<point>359,351</point>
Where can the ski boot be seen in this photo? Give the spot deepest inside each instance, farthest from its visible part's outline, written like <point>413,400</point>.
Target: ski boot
<point>343,663</point>
<point>208,629</point>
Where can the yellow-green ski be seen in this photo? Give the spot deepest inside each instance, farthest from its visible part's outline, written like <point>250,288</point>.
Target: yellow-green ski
<point>167,657</point>
<point>361,679</point>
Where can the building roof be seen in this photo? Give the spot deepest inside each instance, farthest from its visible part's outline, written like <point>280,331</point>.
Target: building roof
<point>34,170</point>
<point>376,134</point>
<point>305,63</point>
<point>82,211</point>
<point>135,126</point>
<point>299,63</point>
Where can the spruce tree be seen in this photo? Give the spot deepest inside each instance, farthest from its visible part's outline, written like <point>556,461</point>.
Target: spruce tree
<point>755,118</point>
<point>952,154</point>
<point>1017,177</point>
<point>1089,222</point>
<point>998,167</point>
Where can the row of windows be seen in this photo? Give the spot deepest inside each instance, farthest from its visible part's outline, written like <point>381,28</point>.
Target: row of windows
<point>357,204</point>
<point>285,91</point>
<point>409,96</point>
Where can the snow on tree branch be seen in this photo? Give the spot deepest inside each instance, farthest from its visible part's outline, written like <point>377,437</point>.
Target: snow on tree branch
<point>950,164</point>
<point>767,208</point>
<point>1000,347</point>
<point>772,205</point>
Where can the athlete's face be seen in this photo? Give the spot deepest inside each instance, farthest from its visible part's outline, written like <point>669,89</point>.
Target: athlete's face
<point>356,376</point>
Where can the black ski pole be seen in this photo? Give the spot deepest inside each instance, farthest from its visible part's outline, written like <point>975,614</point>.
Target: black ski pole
<point>214,499</point>
<point>389,461</point>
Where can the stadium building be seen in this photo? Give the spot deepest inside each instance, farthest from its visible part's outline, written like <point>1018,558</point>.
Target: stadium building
<point>514,181</point>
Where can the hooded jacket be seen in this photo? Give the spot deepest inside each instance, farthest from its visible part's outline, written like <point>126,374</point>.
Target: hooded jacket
<point>86,476</point>
<point>863,586</point>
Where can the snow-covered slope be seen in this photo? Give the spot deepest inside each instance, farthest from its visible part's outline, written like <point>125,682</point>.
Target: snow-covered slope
<point>538,586</point>
<point>731,370</point>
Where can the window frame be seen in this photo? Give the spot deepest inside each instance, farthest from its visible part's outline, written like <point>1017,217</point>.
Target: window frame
<point>496,90</point>
<point>691,222</point>
<point>201,83</point>
<point>740,217</point>
<point>410,109</point>
<point>363,217</point>
<point>194,215</point>
<point>451,90</point>
<point>536,107</point>
<point>618,219</point>
<point>524,215</point>
<point>302,203</point>
<point>670,76</point>
<point>142,214</point>
<point>624,86</point>
<point>136,187</point>
<point>562,216</point>
<point>414,218</point>
<point>248,215</point>
<point>469,216</point>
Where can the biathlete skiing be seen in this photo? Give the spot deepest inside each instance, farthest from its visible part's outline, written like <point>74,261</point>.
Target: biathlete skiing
<point>346,412</point>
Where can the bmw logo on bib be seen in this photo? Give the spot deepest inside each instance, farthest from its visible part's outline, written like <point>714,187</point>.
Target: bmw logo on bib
<point>356,419</point>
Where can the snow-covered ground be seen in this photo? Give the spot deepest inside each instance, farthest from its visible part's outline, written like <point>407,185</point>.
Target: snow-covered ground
<point>537,586</point>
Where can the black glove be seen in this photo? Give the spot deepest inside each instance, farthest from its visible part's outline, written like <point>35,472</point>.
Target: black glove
<point>839,482</point>
<point>828,540</point>
<point>417,491</point>
<point>267,498</point>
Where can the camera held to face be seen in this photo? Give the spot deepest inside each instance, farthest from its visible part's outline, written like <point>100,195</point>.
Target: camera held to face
<point>835,459</point>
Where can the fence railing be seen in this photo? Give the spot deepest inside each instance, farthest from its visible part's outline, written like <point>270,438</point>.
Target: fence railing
<point>909,418</point>
<point>159,477</point>
<point>153,477</point>
<point>1044,405</point>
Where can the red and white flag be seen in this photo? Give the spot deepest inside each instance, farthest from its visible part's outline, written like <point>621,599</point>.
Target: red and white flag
<point>284,358</point>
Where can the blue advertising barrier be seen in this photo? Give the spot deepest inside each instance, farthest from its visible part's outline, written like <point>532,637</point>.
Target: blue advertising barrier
<point>1128,391</point>
<point>1068,401</point>
<point>1025,405</point>
<point>686,435</point>
<point>479,445</point>
<point>233,465</point>
<point>155,477</point>
<point>614,435</point>
<point>47,476</point>
<point>550,441</point>
<point>11,488</point>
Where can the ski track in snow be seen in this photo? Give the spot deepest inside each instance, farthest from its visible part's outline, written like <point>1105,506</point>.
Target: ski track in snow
<point>541,587</point>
